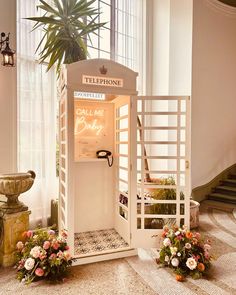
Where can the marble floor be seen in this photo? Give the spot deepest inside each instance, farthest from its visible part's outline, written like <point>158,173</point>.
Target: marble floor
<point>141,275</point>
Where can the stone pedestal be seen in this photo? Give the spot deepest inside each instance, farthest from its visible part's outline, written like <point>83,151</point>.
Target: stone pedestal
<point>14,225</point>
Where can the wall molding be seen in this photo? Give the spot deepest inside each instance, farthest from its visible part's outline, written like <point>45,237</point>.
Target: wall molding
<point>222,7</point>
<point>199,193</point>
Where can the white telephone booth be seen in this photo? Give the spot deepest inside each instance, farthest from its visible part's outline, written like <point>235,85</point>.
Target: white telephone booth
<point>111,210</point>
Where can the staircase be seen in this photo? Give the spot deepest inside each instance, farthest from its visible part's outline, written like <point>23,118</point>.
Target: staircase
<point>226,191</point>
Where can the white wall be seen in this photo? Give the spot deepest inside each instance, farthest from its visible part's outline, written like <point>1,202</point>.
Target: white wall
<point>172,47</point>
<point>213,91</point>
<point>8,93</point>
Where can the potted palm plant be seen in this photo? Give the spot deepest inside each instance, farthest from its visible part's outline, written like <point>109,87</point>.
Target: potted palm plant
<point>66,26</point>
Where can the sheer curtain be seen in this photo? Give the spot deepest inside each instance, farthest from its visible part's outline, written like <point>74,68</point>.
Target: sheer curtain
<point>36,117</point>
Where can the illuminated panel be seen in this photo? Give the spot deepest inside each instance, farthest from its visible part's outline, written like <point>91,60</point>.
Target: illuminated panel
<point>93,125</point>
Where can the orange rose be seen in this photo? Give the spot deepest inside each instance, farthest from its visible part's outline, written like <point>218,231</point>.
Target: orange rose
<point>201,267</point>
<point>189,235</point>
<point>179,278</point>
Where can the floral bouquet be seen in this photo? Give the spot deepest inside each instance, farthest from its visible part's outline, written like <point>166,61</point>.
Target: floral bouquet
<point>185,252</point>
<point>42,254</point>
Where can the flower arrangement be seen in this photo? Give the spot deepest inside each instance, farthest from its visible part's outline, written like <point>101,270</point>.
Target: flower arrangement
<point>42,254</point>
<point>185,252</point>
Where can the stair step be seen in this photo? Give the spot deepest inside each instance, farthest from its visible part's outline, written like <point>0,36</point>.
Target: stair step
<point>225,189</point>
<point>228,182</point>
<point>222,198</point>
<point>232,175</point>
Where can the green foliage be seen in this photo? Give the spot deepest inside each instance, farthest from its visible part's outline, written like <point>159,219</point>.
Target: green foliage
<point>66,25</point>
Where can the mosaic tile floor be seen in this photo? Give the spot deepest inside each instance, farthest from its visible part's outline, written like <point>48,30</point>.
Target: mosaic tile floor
<point>97,242</point>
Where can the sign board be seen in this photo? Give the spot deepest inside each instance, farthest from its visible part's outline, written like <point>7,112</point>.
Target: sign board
<point>102,81</point>
<point>93,126</point>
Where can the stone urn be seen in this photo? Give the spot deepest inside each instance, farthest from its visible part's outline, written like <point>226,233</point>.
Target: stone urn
<point>194,214</point>
<point>12,185</point>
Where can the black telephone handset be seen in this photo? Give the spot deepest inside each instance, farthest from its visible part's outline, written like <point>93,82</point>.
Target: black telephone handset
<point>104,154</point>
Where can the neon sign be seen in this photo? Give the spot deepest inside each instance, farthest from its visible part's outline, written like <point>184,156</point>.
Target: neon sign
<point>89,121</point>
<point>93,127</point>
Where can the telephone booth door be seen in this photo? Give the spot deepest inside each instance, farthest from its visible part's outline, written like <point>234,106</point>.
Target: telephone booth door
<point>162,193</point>
<point>122,166</point>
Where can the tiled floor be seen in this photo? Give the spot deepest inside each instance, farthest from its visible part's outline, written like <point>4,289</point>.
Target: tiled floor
<point>100,241</point>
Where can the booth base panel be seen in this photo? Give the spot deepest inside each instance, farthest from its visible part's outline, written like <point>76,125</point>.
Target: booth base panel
<point>99,242</point>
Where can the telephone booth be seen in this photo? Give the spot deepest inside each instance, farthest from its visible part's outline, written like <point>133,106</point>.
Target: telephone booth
<point>124,161</point>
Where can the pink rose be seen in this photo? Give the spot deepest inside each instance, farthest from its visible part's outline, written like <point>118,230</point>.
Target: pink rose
<point>60,254</point>
<point>197,236</point>
<point>55,245</point>
<point>29,234</point>
<point>67,247</point>
<point>51,232</point>
<point>53,256</point>
<point>42,257</point>
<point>39,272</point>
<point>46,245</point>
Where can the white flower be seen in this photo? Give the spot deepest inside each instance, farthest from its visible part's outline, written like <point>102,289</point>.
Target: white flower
<point>19,245</point>
<point>167,259</point>
<point>191,263</point>
<point>173,250</point>
<point>179,254</point>
<point>35,252</point>
<point>166,242</point>
<point>177,233</point>
<point>188,246</point>
<point>175,262</point>
<point>29,263</point>
<point>207,247</point>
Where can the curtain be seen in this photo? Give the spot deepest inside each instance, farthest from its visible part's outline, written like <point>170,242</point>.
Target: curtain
<point>36,91</point>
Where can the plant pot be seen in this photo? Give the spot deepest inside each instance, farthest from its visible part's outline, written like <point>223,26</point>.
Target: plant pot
<point>194,214</point>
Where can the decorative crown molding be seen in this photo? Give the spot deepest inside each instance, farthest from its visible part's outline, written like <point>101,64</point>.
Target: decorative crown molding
<point>222,7</point>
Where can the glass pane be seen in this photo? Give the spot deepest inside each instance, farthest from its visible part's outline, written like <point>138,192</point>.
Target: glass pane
<point>122,136</point>
<point>166,209</point>
<point>123,123</point>
<point>182,165</point>
<point>183,121</point>
<point>157,194</point>
<point>139,105</point>
<point>182,150</point>
<point>163,164</point>
<point>161,120</point>
<point>123,174</point>
<point>122,148</point>
<point>163,179</point>
<point>138,208</point>
<point>182,209</point>
<point>182,179</point>
<point>160,135</point>
<point>138,223</point>
<point>158,223</point>
<point>123,110</point>
<point>123,187</point>
<point>123,213</point>
<point>183,105</point>
<point>123,200</point>
<point>123,162</point>
<point>182,135</point>
<point>161,106</point>
<point>159,150</point>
